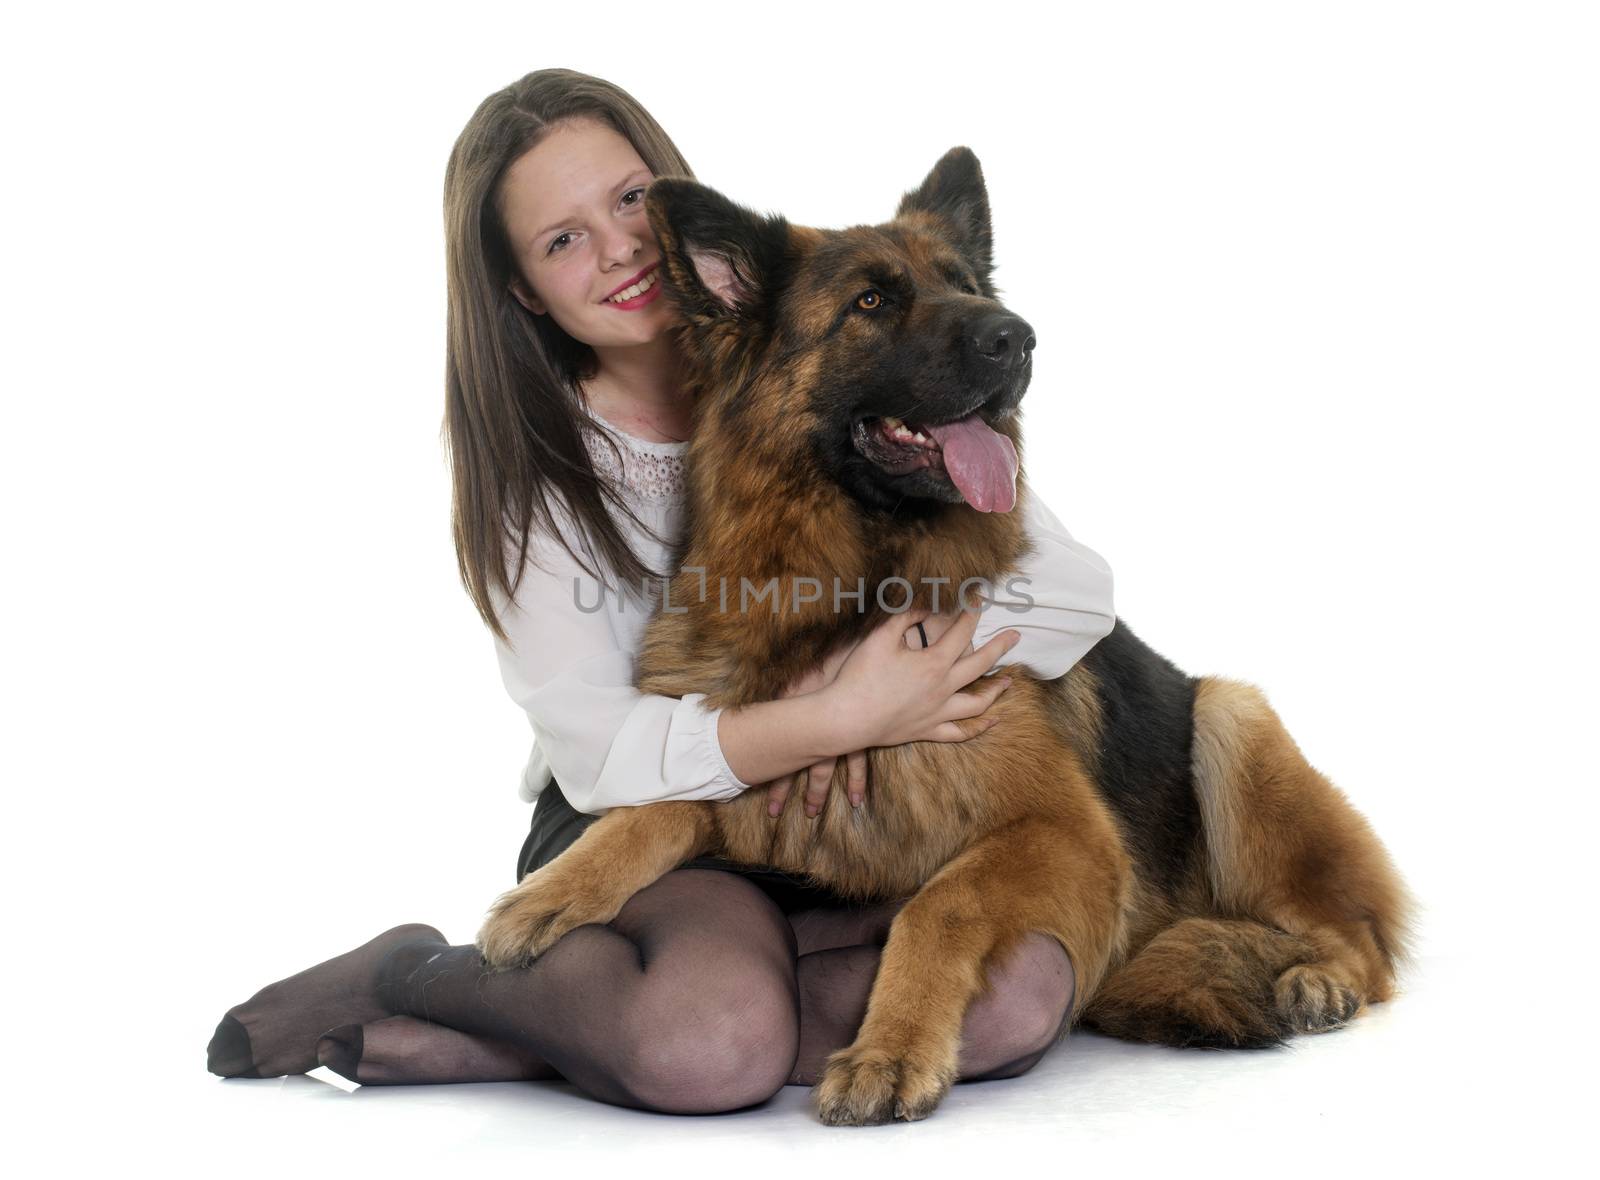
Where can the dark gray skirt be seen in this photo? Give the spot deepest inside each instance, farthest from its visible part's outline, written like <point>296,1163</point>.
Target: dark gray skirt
<point>556,824</point>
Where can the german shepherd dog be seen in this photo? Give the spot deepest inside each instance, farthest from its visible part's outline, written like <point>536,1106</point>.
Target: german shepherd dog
<point>1209,886</point>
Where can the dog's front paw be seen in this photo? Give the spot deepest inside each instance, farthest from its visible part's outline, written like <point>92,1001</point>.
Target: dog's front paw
<point>530,919</point>
<point>863,1086</point>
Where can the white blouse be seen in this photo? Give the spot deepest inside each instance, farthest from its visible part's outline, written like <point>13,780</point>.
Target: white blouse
<point>569,651</point>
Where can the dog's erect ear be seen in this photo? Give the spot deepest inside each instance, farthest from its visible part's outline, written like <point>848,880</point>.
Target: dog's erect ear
<point>954,191</point>
<point>721,259</point>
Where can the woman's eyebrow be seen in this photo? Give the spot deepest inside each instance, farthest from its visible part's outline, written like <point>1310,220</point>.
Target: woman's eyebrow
<point>615,189</point>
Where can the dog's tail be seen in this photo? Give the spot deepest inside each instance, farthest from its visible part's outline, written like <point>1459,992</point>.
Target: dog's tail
<point>1308,920</point>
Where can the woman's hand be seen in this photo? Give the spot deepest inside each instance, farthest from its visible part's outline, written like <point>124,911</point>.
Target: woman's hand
<point>887,692</point>
<point>875,669</point>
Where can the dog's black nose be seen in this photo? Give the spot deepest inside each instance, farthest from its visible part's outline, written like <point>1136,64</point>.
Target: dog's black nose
<point>1003,338</point>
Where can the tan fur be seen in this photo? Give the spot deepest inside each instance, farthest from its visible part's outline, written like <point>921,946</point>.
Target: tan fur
<point>1311,918</point>
<point>1289,919</point>
<point>1287,846</point>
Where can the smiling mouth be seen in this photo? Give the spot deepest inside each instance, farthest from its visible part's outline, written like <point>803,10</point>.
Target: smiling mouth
<point>645,282</point>
<point>968,453</point>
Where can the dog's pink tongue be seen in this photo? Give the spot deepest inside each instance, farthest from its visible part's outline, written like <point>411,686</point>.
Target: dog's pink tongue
<point>981,462</point>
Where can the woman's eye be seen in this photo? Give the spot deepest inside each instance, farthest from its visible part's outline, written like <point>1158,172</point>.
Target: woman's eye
<point>634,192</point>
<point>869,300</point>
<point>559,242</point>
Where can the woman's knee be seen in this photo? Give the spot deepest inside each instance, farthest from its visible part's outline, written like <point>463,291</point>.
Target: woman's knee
<point>715,1022</point>
<point>1026,1008</point>
<point>698,1047</point>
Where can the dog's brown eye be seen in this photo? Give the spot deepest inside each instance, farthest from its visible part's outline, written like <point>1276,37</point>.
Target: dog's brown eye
<point>869,300</point>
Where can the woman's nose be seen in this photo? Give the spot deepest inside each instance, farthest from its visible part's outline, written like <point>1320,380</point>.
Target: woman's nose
<point>620,245</point>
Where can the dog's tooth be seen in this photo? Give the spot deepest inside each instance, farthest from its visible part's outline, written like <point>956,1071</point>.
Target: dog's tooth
<point>919,437</point>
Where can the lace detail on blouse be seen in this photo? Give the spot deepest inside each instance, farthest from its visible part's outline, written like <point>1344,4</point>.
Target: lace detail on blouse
<point>650,470</point>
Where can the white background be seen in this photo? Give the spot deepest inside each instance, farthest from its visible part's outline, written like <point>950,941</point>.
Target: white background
<point>1315,289</point>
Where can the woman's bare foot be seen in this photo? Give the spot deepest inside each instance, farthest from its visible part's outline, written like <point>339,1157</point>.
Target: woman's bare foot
<point>275,1031</point>
<point>402,1050</point>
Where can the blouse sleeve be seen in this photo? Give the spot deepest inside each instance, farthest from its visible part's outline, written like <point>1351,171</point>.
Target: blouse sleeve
<point>607,744</point>
<point>1058,598</point>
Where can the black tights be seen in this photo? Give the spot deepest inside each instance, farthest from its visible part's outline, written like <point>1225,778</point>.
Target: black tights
<point>700,996</point>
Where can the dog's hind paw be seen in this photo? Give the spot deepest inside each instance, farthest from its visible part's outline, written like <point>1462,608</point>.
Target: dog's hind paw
<point>865,1087</point>
<point>1313,1001</point>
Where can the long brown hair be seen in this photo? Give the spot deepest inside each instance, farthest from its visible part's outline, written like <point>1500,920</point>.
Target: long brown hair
<point>514,423</point>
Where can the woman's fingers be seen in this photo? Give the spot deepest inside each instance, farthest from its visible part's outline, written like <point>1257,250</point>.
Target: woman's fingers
<point>820,775</point>
<point>959,638</point>
<point>975,664</point>
<point>893,629</point>
<point>960,731</point>
<point>968,712</point>
<point>817,780</point>
<point>855,769</point>
<point>778,794</point>
<point>976,699</point>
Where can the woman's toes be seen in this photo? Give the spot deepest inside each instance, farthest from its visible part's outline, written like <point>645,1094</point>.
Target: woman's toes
<point>340,1050</point>
<point>228,1054</point>
<point>276,1031</point>
<point>402,1050</point>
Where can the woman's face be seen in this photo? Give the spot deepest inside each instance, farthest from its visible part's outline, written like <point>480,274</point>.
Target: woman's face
<point>573,209</point>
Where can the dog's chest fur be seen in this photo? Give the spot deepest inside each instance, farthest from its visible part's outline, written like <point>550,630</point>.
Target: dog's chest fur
<point>925,802</point>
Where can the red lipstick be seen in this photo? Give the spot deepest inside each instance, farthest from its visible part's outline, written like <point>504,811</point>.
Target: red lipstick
<point>631,282</point>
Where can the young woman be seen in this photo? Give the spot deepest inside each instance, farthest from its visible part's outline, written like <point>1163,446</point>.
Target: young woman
<point>567,423</point>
